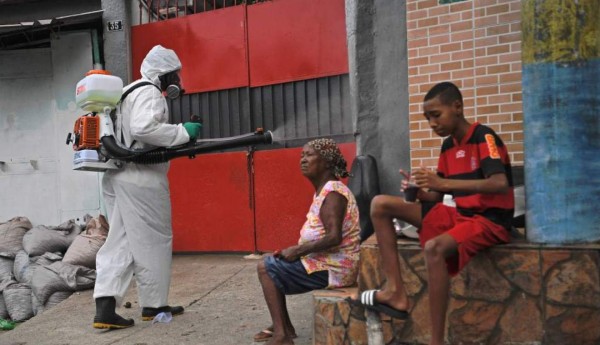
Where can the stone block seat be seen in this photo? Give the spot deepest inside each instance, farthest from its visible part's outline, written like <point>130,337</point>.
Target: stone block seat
<point>518,294</point>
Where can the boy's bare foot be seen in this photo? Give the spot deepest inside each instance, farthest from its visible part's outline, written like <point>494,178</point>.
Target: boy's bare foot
<point>395,300</point>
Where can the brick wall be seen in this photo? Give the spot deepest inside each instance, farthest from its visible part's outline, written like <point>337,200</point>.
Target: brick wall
<point>477,45</point>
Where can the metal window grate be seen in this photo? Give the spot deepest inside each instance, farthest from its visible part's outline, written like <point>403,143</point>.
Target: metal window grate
<point>157,10</point>
<point>294,111</point>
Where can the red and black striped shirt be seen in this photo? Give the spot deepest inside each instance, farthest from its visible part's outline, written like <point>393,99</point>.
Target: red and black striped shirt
<point>480,154</point>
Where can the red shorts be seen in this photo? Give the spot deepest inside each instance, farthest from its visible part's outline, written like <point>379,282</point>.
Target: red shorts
<point>472,234</point>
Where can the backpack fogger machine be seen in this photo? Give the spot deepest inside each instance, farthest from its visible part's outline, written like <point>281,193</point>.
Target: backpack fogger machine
<point>94,140</point>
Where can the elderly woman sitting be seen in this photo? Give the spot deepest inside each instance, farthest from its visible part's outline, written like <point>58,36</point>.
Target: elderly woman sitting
<point>328,249</point>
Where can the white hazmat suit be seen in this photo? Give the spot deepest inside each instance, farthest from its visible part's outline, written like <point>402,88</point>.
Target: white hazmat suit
<point>137,196</point>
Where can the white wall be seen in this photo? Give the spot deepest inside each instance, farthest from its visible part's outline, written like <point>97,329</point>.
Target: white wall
<point>37,110</point>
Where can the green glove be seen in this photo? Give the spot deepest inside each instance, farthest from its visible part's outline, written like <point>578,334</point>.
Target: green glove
<point>193,129</point>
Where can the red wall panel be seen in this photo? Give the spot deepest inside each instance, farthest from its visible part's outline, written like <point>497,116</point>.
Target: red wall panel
<point>210,203</point>
<point>285,40</point>
<point>296,39</point>
<point>283,196</point>
<point>210,45</point>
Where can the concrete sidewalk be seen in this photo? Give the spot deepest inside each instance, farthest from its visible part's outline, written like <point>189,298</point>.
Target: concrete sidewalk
<point>223,300</point>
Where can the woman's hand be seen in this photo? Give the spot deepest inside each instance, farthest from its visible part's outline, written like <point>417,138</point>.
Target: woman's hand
<point>289,254</point>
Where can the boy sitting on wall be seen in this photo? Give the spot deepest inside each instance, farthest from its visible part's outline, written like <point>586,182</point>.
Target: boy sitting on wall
<point>474,167</point>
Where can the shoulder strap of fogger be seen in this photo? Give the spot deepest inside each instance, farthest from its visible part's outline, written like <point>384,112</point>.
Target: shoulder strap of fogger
<point>124,95</point>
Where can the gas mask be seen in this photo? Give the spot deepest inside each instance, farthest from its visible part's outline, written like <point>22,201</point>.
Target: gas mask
<point>171,84</point>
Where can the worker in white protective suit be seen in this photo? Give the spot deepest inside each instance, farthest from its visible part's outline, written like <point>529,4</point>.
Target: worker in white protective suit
<point>137,198</point>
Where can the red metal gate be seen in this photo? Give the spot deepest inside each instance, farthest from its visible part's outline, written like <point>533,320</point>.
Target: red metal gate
<point>215,208</point>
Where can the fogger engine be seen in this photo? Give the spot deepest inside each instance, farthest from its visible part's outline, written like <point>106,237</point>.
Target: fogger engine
<point>85,140</point>
<point>93,136</point>
<point>86,133</point>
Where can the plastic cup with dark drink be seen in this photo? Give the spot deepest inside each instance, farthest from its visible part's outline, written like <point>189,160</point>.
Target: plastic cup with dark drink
<point>410,192</point>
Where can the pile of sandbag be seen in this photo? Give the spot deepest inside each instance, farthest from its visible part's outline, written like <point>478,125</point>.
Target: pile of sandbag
<point>42,266</point>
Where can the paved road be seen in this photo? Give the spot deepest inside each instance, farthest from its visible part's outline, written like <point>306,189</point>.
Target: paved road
<point>223,300</point>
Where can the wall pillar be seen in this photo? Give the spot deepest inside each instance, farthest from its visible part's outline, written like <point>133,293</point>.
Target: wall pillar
<point>117,43</point>
<point>377,58</point>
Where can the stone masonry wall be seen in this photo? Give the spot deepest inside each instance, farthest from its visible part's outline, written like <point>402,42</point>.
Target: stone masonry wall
<point>511,294</point>
<point>477,45</point>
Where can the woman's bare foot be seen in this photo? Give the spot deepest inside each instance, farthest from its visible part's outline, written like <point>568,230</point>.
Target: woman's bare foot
<point>280,340</point>
<point>267,333</point>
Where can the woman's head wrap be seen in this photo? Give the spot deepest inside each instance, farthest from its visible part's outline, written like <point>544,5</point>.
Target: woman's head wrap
<point>328,149</point>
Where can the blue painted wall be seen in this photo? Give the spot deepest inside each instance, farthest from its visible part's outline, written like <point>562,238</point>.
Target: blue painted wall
<point>562,151</point>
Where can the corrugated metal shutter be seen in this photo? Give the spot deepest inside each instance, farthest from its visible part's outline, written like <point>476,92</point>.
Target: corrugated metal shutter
<point>295,112</point>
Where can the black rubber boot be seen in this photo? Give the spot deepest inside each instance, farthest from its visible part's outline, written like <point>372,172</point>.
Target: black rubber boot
<point>106,317</point>
<point>149,313</point>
